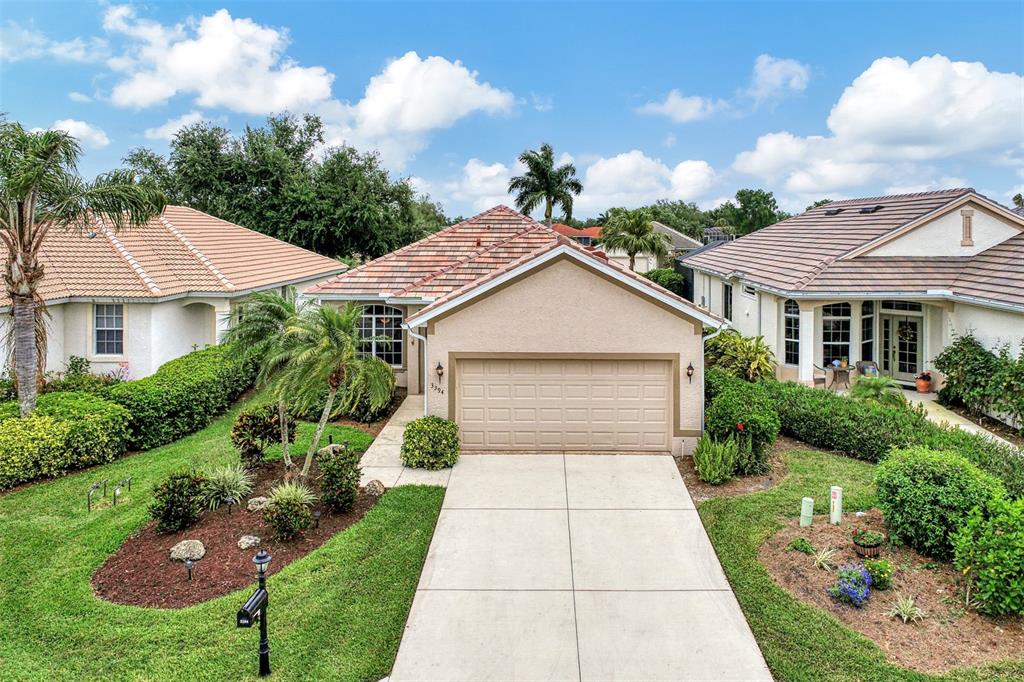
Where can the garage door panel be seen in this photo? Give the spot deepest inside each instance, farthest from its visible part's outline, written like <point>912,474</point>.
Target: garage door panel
<point>587,405</point>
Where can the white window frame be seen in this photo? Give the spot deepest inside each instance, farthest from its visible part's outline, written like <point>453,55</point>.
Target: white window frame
<point>830,317</point>
<point>96,329</point>
<point>790,311</point>
<point>727,301</point>
<point>376,313</point>
<point>866,338</point>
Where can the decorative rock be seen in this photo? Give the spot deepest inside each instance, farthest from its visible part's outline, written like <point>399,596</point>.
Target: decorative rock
<point>375,488</point>
<point>248,541</point>
<point>188,549</point>
<point>333,448</point>
<point>257,503</point>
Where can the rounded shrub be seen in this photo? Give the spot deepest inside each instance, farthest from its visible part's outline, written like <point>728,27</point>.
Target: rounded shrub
<point>26,443</point>
<point>339,477</point>
<point>178,501</point>
<point>255,430</point>
<point>667,278</point>
<point>227,485</point>
<point>746,412</point>
<point>715,461</point>
<point>288,510</point>
<point>990,548</point>
<point>430,443</point>
<point>928,495</point>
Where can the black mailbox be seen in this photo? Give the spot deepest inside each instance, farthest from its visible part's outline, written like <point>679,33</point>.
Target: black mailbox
<point>250,611</point>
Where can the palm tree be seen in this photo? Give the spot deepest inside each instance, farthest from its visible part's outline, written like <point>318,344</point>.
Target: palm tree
<point>634,233</point>
<point>258,332</point>
<point>543,182</point>
<point>880,390</point>
<point>41,190</point>
<point>323,347</point>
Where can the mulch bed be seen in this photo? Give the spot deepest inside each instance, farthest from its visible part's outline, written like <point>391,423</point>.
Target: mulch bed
<point>375,427</point>
<point>949,636</point>
<point>141,572</point>
<point>700,491</point>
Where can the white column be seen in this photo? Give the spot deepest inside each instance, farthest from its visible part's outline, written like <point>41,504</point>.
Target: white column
<point>854,354</point>
<point>806,344</point>
<point>222,311</point>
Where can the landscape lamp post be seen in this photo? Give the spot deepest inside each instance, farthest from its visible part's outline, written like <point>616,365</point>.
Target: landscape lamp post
<point>255,608</point>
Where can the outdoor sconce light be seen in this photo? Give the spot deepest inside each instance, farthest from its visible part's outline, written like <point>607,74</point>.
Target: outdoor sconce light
<point>255,609</point>
<point>440,370</point>
<point>689,372</point>
<point>316,519</point>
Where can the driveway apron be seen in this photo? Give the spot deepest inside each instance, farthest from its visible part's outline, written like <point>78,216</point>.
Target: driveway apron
<point>573,567</point>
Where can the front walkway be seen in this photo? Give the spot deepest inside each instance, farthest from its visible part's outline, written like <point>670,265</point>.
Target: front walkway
<point>382,460</point>
<point>940,414</point>
<point>552,567</point>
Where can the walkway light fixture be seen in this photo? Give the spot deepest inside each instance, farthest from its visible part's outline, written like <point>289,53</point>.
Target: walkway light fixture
<point>255,609</point>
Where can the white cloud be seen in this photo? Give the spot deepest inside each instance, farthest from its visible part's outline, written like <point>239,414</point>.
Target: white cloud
<point>542,103</point>
<point>410,98</point>
<point>892,117</point>
<point>86,133</point>
<point>172,126</point>
<point>481,185</point>
<point>18,43</point>
<point>945,182</point>
<point>225,62</point>
<point>683,109</point>
<point>774,77</point>
<point>669,141</point>
<point>633,179</point>
<point>80,97</point>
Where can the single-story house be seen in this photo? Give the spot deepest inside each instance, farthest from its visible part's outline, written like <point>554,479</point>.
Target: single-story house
<point>679,244</point>
<point>532,342</point>
<point>887,279</point>
<point>132,300</point>
<point>716,234</point>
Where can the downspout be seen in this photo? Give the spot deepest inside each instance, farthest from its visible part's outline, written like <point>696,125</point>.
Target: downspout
<point>423,369</point>
<point>704,341</point>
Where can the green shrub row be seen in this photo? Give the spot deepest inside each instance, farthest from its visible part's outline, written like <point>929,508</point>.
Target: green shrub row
<point>183,395</point>
<point>67,431</point>
<point>982,380</point>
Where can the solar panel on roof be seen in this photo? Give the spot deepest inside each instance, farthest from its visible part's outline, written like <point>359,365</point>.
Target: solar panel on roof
<point>872,209</point>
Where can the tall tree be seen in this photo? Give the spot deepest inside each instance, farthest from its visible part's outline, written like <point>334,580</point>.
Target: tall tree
<point>41,190</point>
<point>1018,200</point>
<point>633,233</point>
<point>681,215</point>
<point>754,209</point>
<point>545,183</point>
<point>819,202</point>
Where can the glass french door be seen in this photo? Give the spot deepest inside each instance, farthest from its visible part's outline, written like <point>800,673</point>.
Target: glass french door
<point>901,347</point>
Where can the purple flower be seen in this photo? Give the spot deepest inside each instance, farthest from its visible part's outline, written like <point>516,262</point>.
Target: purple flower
<point>853,585</point>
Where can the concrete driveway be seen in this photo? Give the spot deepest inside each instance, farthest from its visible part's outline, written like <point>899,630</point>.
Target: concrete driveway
<point>551,567</point>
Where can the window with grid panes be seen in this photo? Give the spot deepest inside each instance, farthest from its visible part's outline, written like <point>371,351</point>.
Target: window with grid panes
<point>381,326</point>
<point>108,328</point>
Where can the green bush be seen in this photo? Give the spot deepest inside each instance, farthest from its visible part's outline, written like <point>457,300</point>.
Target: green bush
<point>178,501</point>
<point>927,495</point>
<point>339,477</point>
<point>879,390</point>
<point>256,429</point>
<point>361,409</point>
<point>430,443</point>
<point>92,431</point>
<point>288,510</point>
<point>667,278</point>
<point>183,395</point>
<point>881,571</point>
<point>990,548</point>
<point>982,380</point>
<point>715,461</point>
<point>745,411</point>
<point>1003,461</point>
<point>8,391</point>
<point>227,485</point>
<point>802,545</point>
<point>78,376</point>
<point>26,443</point>
<point>745,357</point>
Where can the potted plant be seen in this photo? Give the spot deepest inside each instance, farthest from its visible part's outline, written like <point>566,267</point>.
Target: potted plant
<point>844,363</point>
<point>867,543</point>
<point>924,382</point>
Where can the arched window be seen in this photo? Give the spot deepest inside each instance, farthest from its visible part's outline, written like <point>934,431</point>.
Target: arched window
<point>835,332</point>
<point>381,326</point>
<point>791,316</point>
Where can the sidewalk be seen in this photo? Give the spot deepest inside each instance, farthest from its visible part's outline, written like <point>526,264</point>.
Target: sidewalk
<point>940,414</point>
<point>382,460</point>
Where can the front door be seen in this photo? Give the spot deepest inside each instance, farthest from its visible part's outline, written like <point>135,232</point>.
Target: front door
<point>901,347</point>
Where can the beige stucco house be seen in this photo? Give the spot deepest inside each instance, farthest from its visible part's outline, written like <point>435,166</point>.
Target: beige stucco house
<point>133,300</point>
<point>888,279</point>
<point>532,342</point>
<point>678,244</point>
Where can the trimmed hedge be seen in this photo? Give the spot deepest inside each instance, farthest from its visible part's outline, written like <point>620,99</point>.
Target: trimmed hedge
<point>745,411</point>
<point>927,496</point>
<point>67,431</point>
<point>430,443</point>
<point>183,395</point>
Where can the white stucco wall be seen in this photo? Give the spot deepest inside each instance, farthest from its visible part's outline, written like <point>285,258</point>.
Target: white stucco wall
<point>992,327</point>
<point>941,236</point>
<point>642,263</point>
<point>566,308</point>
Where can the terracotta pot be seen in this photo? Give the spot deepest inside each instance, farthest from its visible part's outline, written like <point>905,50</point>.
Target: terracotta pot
<point>924,386</point>
<point>867,552</point>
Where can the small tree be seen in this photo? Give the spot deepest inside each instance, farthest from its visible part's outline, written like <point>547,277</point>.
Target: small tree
<point>633,232</point>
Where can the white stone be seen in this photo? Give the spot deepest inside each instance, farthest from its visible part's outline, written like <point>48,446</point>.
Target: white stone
<point>248,541</point>
<point>257,503</point>
<point>188,549</point>
<point>375,488</point>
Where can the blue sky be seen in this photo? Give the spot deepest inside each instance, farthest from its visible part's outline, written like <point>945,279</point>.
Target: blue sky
<point>674,100</point>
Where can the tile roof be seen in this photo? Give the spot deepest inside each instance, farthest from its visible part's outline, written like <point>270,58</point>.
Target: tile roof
<point>804,253</point>
<point>456,260</point>
<point>183,251</point>
<point>569,231</point>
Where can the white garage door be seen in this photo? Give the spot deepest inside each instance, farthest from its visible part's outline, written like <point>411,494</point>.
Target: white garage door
<point>574,405</point>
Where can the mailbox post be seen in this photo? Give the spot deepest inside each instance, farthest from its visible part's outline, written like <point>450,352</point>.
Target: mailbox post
<point>255,608</point>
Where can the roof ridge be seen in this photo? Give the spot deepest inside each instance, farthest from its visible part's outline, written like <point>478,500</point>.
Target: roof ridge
<point>469,258</point>
<point>194,250</point>
<point>819,268</point>
<point>957,191</point>
<point>123,251</point>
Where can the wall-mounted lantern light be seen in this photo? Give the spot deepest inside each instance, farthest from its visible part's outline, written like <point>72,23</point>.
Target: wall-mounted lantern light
<point>689,372</point>
<point>440,370</point>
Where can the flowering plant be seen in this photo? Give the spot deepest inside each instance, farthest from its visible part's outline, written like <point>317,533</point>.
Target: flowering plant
<point>853,585</point>
<point>866,538</point>
<point>739,427</point>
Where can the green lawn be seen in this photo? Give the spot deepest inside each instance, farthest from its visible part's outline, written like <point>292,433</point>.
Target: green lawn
<point>801,642</point>
<point>338,613</point>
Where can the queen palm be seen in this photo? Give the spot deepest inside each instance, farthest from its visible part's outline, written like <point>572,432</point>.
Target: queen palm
<point>545,183</point>
<point>41,191</point>
<point>633,233</point>
<point>258,332</point>
<point>322,348</point>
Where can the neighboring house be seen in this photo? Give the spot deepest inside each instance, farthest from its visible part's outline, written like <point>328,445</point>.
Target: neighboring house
<point>591,236</point>
<point>715,234</point>
<point>141,297</point>
<point>889,279</point>
<point>532,342</point>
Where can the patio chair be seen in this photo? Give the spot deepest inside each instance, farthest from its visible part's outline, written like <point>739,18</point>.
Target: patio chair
<point>867,368</point>
<point>820,379</point>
